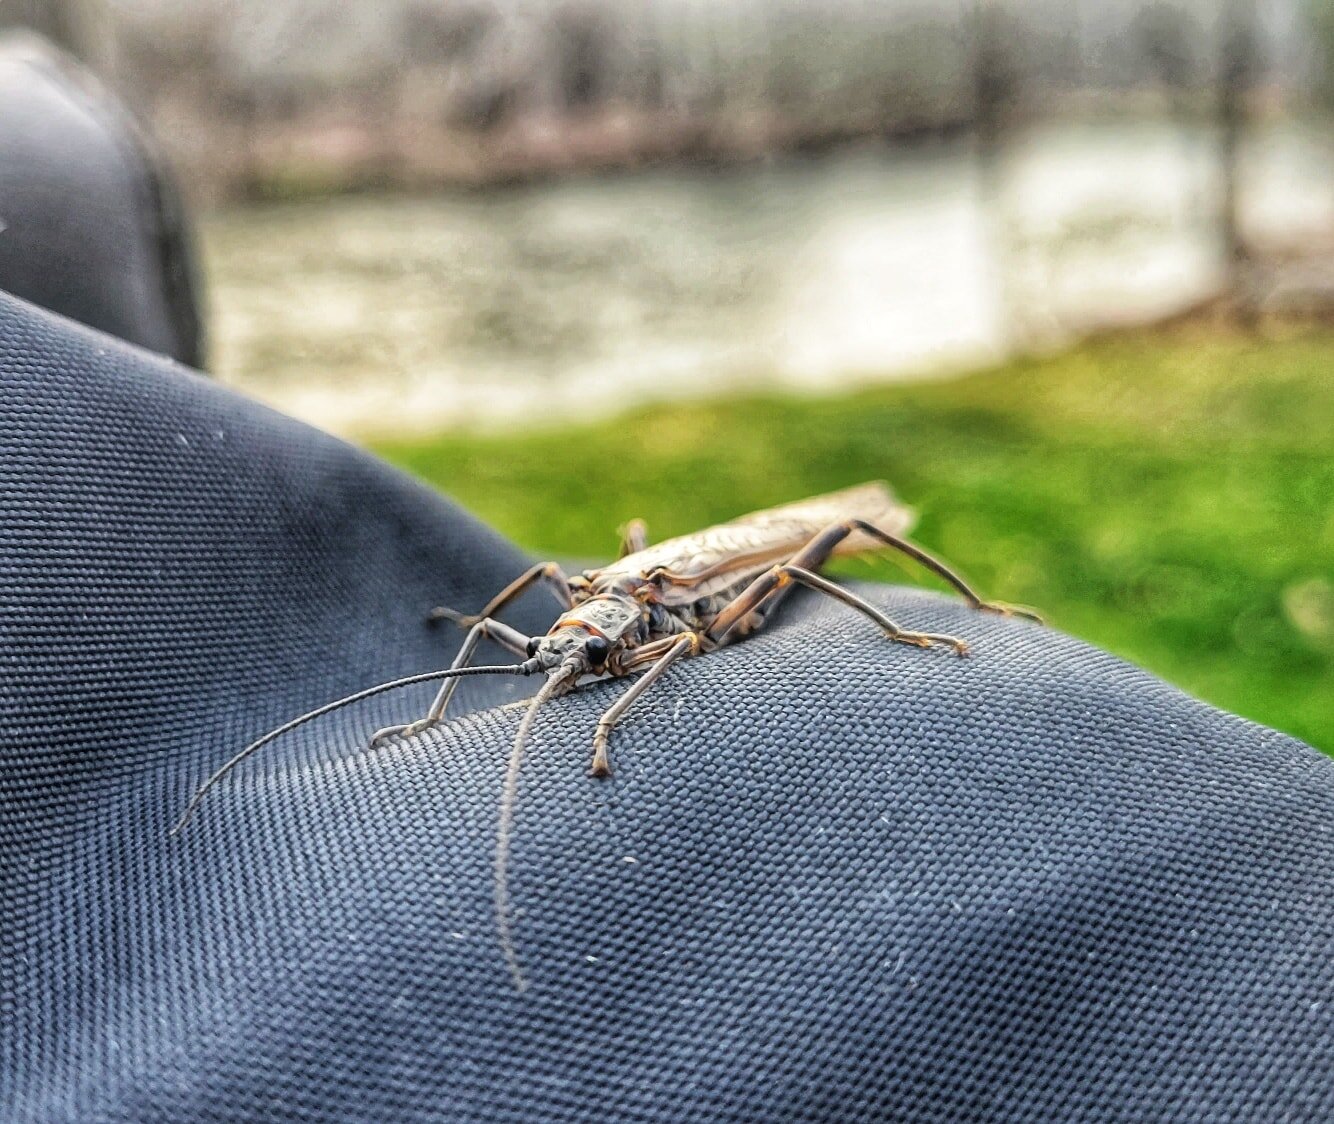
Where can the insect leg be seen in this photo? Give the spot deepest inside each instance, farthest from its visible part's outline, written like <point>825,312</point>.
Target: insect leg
<point>632,660</point>
<point>510,638</point>
<point>816,552</point>
<point>892,630</point>
<point>939,568</point>
<point>762,596</point>
<point>546,572</point>
<point>688,644</point>
<point>634,538</point>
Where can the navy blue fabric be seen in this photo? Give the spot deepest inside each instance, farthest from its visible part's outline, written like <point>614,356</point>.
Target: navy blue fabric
<point>832,878</point>
<point>91,225</point>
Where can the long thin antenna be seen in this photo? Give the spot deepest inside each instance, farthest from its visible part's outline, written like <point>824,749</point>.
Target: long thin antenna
<point>505,829</point>
<point>406,681</point>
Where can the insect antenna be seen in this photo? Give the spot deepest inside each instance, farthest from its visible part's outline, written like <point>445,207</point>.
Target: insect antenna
<point>526,668</point>
<point>505,829</point>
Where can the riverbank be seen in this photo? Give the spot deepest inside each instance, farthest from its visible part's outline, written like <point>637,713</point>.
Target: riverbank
<point>1165,494</point>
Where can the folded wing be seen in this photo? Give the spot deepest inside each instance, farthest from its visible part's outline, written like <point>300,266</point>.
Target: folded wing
<point>708,561</point>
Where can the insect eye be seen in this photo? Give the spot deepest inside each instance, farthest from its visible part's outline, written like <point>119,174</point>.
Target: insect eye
<point>533,645</point>
<point>597,650</point>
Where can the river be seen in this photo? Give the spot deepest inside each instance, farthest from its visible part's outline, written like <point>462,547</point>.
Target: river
<point>532,305</point>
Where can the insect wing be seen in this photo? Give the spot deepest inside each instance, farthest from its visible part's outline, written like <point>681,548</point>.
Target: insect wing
<point>718,557</point>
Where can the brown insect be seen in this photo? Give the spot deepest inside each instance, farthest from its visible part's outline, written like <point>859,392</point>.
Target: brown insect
<point>656,605</point>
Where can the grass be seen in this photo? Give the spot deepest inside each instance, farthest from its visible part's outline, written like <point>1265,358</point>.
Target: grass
<point>1169,496</point>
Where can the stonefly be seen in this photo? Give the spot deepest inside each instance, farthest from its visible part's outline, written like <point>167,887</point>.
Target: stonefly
<point>651,607</point>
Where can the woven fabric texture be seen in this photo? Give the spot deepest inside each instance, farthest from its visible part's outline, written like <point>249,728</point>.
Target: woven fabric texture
<point>831,879</point>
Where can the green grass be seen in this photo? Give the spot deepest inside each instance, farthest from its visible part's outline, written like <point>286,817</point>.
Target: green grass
<point>1169,496</point>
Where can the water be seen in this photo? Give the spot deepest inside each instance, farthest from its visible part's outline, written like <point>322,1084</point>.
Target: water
<point>374,315</point>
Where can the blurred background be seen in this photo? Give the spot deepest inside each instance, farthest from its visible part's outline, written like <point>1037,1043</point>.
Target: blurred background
<point>1062,271</point>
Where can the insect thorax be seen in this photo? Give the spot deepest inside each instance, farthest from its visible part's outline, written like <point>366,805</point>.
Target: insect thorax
<point>614,614</point>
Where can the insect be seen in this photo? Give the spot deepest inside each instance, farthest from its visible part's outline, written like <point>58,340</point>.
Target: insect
<point>653,606</point>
